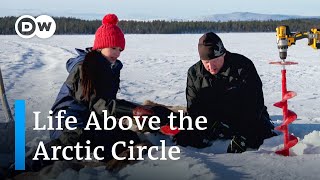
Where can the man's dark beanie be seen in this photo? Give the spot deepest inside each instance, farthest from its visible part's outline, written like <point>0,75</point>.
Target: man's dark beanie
<point>210,46</point>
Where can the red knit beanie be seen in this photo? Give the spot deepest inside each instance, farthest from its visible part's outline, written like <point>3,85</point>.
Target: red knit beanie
<point>109,34</point>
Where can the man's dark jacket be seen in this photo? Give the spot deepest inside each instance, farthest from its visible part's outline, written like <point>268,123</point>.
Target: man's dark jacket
<point>233,96</point>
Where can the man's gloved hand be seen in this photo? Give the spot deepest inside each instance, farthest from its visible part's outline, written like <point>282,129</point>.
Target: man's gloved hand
<point>142,111</point>
<point>237,145</point>
<point>219,130</point>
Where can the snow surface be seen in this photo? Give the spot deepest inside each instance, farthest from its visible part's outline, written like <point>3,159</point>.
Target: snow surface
<point>155,68</point>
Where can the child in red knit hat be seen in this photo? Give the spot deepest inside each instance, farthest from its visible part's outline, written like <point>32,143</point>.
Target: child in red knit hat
<point>92,85</point>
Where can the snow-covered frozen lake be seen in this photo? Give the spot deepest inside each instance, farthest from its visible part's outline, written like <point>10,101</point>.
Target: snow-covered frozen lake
<point>155,68</point>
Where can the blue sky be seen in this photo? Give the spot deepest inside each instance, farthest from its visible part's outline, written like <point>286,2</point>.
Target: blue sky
<point>148,9</point>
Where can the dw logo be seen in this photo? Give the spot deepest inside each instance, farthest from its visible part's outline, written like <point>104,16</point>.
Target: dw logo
<point>43,26</point>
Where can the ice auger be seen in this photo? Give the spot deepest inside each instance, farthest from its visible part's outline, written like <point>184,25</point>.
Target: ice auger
<point>288,115</point>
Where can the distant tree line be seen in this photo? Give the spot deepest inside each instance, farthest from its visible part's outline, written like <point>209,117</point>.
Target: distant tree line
<point>66,25</point>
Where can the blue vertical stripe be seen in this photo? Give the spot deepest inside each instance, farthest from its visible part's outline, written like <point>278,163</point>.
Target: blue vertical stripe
<point>20,151</point>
